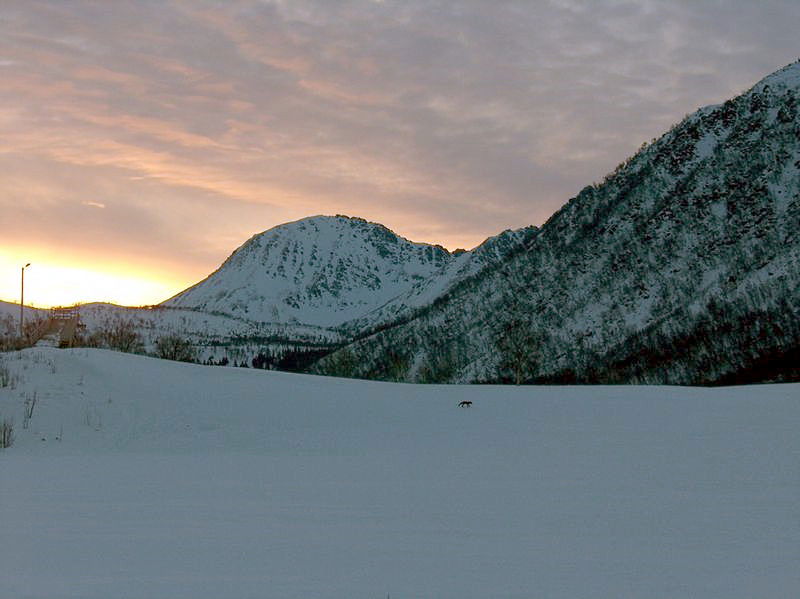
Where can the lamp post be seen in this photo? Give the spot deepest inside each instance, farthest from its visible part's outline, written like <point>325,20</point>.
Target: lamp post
<point>22,300</point>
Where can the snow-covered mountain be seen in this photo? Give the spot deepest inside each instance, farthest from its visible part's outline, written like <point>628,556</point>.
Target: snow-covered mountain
<point>682,266</point>
<point>461,266</point>
<point>328,270</point>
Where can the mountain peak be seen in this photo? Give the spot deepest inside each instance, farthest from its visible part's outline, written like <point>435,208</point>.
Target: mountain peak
<point>327,219</point>
<point>319,270</point>
<point>786,78</point>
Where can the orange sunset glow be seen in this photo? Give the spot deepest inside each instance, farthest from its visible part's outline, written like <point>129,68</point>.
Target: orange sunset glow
<point>143,143</point>
<point>50,283</point>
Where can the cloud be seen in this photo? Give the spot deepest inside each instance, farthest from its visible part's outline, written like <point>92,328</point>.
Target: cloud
<point>446,121</point>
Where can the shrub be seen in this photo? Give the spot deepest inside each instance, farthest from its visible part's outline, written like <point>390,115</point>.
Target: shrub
<point>122,336</point>
<point>173,347</point>
<point>116,333</point>
<point>10,339</point>
<point>5,376</point>
<point>6,433</point>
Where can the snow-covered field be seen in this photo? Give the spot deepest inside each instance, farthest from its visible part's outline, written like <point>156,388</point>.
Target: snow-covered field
<point>140,478</point>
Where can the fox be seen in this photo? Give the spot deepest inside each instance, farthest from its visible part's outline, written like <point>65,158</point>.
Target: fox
<point>464,404</point>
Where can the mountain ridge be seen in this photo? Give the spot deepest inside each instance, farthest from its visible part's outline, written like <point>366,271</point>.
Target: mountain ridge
<point>693,240</point>
<point>329,270</point>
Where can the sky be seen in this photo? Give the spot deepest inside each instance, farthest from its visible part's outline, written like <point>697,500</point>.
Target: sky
<point>142,142</point>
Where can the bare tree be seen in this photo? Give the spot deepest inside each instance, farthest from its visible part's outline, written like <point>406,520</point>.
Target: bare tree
<point>121,335</point>
<point>517,339</point>
<point>173,347</point>
<point>519,346</point>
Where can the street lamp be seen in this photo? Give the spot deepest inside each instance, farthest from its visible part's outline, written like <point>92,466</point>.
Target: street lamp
<point>22,299</point>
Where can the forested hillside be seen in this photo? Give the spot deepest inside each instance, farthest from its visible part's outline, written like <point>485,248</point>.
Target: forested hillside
<point>681,267</point>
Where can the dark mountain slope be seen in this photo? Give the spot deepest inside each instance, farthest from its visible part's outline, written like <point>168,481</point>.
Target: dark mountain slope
<point>683,266</point>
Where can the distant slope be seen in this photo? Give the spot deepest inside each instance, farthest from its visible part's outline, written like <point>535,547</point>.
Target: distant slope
<point>683,266</point>
<point>214,336</point>
<point>8,309</point>
<point>9,320</point>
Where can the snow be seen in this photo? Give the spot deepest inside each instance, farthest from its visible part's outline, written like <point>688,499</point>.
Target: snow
<point>786,78</point>
<point>706,146</point>
<point>177,480</point>
<point>320,270</point>
<point>336,271</point>
<point>9,310</point>
<point>493,251</point>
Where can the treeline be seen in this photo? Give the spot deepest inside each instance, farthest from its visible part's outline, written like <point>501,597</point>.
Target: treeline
<point>728,344</point>
<point>122,335</point>
<point>289,360</point>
